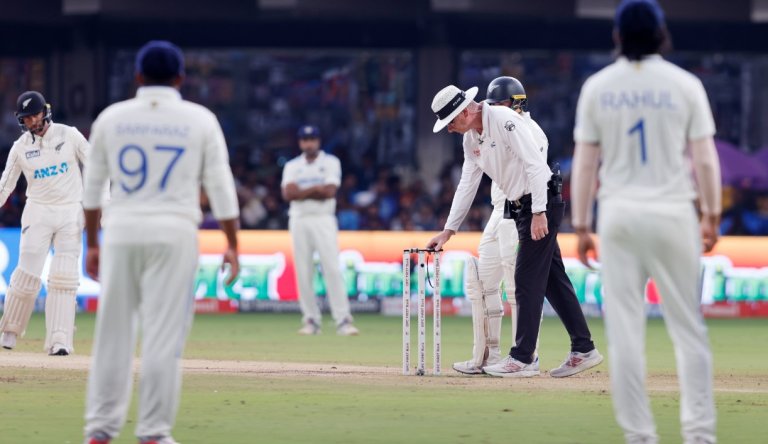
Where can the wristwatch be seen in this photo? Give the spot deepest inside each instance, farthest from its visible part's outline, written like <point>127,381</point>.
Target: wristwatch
<point>540,212</point>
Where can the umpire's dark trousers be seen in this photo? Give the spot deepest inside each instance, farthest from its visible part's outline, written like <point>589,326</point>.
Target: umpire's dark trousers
<point>539,271</point>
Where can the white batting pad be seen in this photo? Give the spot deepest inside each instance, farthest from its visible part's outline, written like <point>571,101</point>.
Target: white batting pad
<point>60,304</point>
<point>20,301</point>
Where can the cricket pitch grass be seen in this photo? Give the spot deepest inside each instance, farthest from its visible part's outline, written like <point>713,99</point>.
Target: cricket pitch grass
<point>249,378</point>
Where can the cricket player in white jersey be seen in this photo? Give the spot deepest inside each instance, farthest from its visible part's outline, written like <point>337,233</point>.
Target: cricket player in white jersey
<point>497,251</point>
<point>309,183</point>
<point>156,150</point>
<point>501,144</point>
<point>637,119</point>
<point>50,156</point>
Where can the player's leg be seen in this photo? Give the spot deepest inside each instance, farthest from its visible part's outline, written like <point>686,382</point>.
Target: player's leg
<point>166,311</point>
<point>676,273</point>
<point>63,280</point>
<point>304,265</point>
<point>110,377</point>
<point>326,237</point>
<point>508,244</point>
<point>624,280</point>
<point>483,275</point>
<point>25,281</point>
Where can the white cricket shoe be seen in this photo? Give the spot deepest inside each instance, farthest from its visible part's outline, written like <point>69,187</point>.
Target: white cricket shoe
<point>163,440</point>
<point>577,362</point>
<point>468,368</point>
<point>58,349</point>
<point>510,367</point>
<point>310,327</point>
<point>347,329</point>
<point>8,340</point>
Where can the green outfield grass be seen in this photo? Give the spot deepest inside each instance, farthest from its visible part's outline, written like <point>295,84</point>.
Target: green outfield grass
<point>46,406</point>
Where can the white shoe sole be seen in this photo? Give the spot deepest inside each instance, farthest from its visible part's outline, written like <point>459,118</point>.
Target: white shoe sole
<point>582,368</point>
<point>520,374</point>
<point>468,371</point>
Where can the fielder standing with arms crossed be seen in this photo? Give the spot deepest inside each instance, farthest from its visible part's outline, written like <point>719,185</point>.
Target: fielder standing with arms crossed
<point>309,183</point>
<point>156,149</point>
<point>497,252</point>
<point>50,155</point>
<point>500,144</point>
<point>639,116</point>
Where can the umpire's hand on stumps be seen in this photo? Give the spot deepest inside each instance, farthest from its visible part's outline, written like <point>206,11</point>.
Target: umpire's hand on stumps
<point>539,227</point>
<point>437,242</point>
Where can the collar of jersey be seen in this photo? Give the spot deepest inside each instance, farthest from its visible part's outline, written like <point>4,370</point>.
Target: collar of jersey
<point>486,122</point>
<point>647,58</point>
<point>320,155</point>
<point>158,92</point>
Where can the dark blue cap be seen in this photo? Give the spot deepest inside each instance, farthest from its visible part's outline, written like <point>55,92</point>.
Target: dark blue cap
<point>160,60</point>
<point>308,132</point>
<point>638,16</point>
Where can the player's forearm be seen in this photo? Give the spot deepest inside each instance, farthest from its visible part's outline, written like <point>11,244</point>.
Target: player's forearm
<point>706,165</point>
<point>8,183</point>
<point>322,192</point>
<point>583,177</point>
<point>92,227</point>
<point>230,227</point>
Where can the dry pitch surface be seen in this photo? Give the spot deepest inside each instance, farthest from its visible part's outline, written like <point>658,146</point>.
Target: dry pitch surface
<point>595,380</point>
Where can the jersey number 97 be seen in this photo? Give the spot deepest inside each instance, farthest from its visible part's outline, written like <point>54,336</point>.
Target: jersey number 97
<point>134,165</point>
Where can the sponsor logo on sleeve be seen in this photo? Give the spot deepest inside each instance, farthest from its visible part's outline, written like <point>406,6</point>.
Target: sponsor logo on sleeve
<point>509,126</point>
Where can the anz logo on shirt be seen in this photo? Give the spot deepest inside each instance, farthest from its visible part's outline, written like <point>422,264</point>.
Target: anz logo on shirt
<point>54,170</point>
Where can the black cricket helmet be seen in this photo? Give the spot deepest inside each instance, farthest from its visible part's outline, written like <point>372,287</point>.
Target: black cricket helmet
<point>30,103</point>
<point>507,88</point>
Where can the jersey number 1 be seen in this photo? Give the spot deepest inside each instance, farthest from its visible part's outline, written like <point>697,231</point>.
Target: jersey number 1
<point>640,129</point>
<point>139,172</point>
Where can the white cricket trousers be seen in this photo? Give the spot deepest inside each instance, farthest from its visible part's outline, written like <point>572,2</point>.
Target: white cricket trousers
<point>146,283</point>
<point>661,241</point>
<point>46,226</point>
<point>318,233</point>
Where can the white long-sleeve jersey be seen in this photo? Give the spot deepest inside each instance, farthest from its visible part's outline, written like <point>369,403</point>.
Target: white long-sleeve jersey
<point>51,165</point>
<point>156,150</point>
<point>512,151</point>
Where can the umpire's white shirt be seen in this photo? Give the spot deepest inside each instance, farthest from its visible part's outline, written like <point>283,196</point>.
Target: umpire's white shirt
<point>156,149</point>
<point>324,170</point>
<point>512,151</point>
<point>659,107</point>
<point>51,165</point>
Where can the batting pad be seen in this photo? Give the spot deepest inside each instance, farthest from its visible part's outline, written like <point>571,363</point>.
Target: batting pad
<point>60,304</point>
<point>20,301</point>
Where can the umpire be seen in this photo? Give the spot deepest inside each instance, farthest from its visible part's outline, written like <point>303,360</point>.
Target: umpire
<point>499,143</point>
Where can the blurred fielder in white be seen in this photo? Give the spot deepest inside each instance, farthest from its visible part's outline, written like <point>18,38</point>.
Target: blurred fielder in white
<point>497,252</point>
<point>156,150</point>
<point>50,156</point>
<point>309,183</point>
<point>641,117</point>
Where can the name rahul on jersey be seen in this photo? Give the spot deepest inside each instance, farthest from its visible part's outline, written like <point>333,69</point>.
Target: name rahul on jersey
<point>649,98</point>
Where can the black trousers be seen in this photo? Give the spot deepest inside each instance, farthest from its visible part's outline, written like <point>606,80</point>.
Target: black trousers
<point>539,272</point>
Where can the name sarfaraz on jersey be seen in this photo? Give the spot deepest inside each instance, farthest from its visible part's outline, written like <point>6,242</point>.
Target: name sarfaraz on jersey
<point>53,170</point>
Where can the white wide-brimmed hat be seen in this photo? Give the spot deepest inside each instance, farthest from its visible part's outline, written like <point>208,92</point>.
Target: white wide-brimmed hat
<point>449,102</point>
